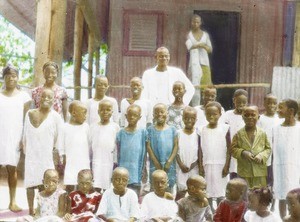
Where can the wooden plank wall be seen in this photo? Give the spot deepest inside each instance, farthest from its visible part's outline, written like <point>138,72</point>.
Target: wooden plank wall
<point>261,39</point>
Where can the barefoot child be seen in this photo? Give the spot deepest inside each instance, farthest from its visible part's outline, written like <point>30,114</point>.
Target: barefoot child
<point>176,108</point>
<point>234,206</point>
<point>14,103</point>
<point>84,201</point>
<point>51,201</point>
<point>41,128</point>
<point>214,153</point>
<point>195,207</point>
<point>293,202</point>
<point>103,141</point>
<point>136,87</point>
<point>235,120</point>
<point>188,145</point>
<point>73,144</point>
<point>119,203</point>
<point>162,145</point>
<point>259,200</point>
<point>251,147</point>
<point>132,148</point>
<point>286,152</point>
<point>101,87</point>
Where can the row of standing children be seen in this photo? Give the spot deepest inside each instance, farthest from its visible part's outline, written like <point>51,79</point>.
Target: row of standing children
<point>158,137</point>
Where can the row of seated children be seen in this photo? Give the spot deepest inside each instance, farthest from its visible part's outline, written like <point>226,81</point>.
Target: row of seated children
<point>120,203</point>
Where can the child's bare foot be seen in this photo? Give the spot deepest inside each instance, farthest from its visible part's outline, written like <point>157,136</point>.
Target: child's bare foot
<point>32,212</point>
<point>14,207</point>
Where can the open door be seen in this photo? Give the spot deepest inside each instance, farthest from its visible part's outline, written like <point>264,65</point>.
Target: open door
<point>224,30</point>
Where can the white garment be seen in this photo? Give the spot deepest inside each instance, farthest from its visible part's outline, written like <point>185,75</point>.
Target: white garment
<point>198,56</point>
<point>103,142</point>
<point>267,123</point>
<point>146,112</point>
<point>188,153</point>
<point>73,141</point>
<point>251,216</point>
<point>201,118</point>
<point>38,147</point>
<point>119,208</point>
<point>11,126</point>
<point>161,92</point>
<point>214,150</point>
<point>235,123</point>
<point>154,206</point>
<point>213,144</point>
<point>286,164</point>
<point>92,110</point>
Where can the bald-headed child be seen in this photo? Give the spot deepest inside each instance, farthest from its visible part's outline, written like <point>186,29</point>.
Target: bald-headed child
<point>251,147</point>
<point>235,120</point>
<point>162,145</point>
<point>136,88</point>
<point>267,121</point>
<point>188,146</point>
<point>175,110</point>
<point>101,87</point>
<point>73,144</point>
<point>119,203</point>
<point>286,152</point>
<point>234,206</point>
<point>85,200</point>
<point>159,204</point>
<point>195,207</point>
<point>214,153</point>
<point>51,202</point>
<point>293,202</point>
<point>209,94</point>
<point>131,142</point>
<point>103,142</point>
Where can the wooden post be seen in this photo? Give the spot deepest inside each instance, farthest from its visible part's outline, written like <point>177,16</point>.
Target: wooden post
<point>90,65</point>
<point>77,58</point>
<point>57,34</point>
<point>97,57</point>
<point>42,36</point>
<point>49,36</point>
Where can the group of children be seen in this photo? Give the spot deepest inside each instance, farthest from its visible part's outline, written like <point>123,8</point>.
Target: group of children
<point>180,140</point>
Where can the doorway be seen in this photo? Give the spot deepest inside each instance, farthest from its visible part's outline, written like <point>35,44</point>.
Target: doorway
<point>224,31</point>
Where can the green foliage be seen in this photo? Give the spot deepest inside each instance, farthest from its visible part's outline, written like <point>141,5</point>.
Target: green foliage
<point>16,49</point>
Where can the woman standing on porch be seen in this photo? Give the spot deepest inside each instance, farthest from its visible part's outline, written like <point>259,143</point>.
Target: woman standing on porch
<point>199,45</point>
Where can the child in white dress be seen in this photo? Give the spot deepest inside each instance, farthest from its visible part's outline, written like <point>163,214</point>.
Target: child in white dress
<point>103,141</point>
<point>259,200</point>
<point>136,87</point>
<point>187,156</point>
<point>14,103</point>
<point>214,153</point>
<point>73,144</point>
<point>286,152</point>
<point>101,87</point>
<point>235,121</point>
<point>41,128</point>
<point>209,94</point>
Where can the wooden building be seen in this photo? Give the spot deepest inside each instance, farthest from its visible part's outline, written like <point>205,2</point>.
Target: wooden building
<point>247,38</point>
